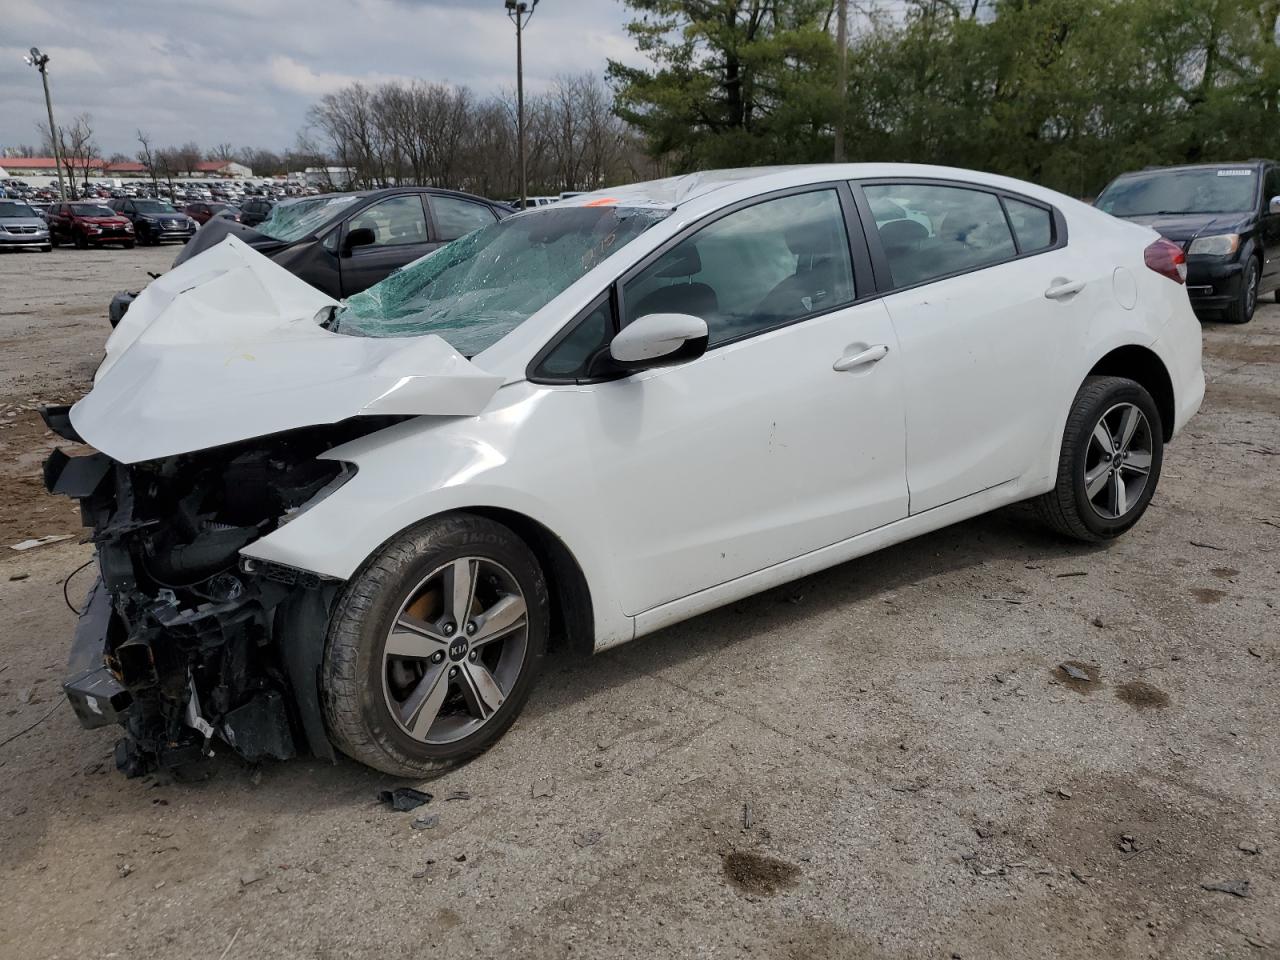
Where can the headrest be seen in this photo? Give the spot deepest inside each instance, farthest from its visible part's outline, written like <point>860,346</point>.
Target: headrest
<point>901,233</point>
<point>681,262</point>
<point>812,239</point>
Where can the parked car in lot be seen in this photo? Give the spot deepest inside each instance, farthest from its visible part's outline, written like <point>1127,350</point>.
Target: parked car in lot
<point>355,524</point>
<point>1225,216</point>
<point>155,221</point>
<point>254,210</point>
<point>342,243</point>
<point>86,223</point>
<point>22,228</point>
<point>202,212</point>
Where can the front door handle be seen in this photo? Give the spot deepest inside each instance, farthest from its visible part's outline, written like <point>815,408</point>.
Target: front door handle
<point>869,355</point>
<point>1062,289</point>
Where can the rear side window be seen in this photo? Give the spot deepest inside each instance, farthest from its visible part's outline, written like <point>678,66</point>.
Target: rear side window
<point>1032,225</point>
<point>456,218</point>
<point>931,231</point>
<point>1271,186</point>
<point>754,269</point>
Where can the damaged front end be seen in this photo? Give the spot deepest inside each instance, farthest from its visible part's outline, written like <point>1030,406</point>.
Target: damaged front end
<point>181,639</point>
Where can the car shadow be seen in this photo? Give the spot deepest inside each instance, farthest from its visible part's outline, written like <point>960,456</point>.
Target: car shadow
<point>1013,532</point>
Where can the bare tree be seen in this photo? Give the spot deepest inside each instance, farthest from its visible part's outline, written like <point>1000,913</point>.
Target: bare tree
<point>147,158</point>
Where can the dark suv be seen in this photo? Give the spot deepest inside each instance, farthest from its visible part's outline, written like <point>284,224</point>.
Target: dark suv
<point>154,221</point>
<point>1226,216</point>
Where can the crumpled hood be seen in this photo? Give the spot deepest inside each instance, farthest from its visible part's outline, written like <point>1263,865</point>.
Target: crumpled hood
<point>226,347</point>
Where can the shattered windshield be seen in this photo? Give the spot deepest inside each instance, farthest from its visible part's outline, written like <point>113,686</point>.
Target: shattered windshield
<point>479,288</point>
<point>292,221</point>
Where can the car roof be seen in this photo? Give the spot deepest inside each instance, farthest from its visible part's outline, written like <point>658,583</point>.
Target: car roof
<point>673,192</point>
<point>1196,166</point>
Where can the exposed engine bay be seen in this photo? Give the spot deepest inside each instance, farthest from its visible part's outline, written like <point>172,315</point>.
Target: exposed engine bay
<point>182,640</point>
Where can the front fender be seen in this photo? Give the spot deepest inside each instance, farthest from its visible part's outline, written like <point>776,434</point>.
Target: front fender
<point>433,465</point>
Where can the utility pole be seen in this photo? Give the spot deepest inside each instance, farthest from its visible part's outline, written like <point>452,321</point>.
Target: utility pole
<point>41,62</point>
<point>842,73</point>
<point>520,12</point>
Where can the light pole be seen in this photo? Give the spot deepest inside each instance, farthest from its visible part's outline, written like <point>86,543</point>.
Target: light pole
<point>41,62</point>
<point>520,12</point>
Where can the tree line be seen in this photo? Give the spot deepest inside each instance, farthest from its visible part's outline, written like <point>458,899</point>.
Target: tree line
<point>1062,92</point>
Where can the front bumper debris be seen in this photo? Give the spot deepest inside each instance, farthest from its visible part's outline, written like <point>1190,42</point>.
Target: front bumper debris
<point>179,643</point>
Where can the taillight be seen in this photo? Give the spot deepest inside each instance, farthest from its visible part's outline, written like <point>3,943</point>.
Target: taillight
<point>1167,259</point>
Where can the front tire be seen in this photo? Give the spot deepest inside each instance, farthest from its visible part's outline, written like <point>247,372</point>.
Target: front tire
<point>434,646</point>
<point>82,242</point>
<point>1112,451</point>
<point>1241,310</point>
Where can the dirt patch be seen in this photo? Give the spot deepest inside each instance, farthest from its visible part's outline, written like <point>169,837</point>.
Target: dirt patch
<point>26,510</point>
<point>1070,678</point>
<point>1225,573</point>
<point>1246,352</point>
<point>1241,396</point>
<point>754,873</point>
<point>1143,696</point>
<point>1207,594</point>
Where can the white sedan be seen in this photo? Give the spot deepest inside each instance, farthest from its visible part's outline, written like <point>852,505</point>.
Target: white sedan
<point>356,524</point>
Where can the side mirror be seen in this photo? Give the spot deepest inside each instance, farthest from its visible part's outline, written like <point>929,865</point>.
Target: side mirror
<point>359,237</point>
<point>659,340</point>
<point>1274,206</point>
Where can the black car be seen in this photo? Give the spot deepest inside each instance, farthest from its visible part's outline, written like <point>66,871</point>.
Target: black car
<point>155,221</point>
<point>254,210</point>
<point>342,243</point>
<point>1226,216</point>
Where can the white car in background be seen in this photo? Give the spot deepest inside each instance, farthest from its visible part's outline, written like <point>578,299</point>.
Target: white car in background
<point>356,524</point>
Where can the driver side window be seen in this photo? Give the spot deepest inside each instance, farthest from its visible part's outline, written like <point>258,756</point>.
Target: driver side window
<point>394,221</point>
<point>752,270</point>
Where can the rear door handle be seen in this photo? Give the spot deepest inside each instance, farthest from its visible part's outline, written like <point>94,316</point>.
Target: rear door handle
<point>869,355</point>
<point>1062,289</point>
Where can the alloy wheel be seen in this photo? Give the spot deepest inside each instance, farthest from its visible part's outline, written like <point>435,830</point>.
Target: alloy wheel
<point>455,650</point>
<point>1118,461</point>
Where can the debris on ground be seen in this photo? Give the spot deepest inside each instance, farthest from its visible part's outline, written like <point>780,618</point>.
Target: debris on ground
<point>426,868</point>
<point>19,576</point>
<point>1237,888</point>
<point>543,788</point>
<point>251,876</point>
<point>1206,546</point>
<point>39,542</point>
<point>1128,844</point>
<point>747,819</point>
<point>1250,848</point>
<point>403,799</point>
<point>588,838</point>
<point>124,869</point>
<point>459,795</point>
<point>1074,672</point>
<point>1073,573</point>
<point>1064,793</point>
<point>425,822</point>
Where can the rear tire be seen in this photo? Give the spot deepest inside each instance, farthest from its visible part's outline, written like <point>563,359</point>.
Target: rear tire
<point>46,249</point>
<point>81,241</point>
<point>1242,308</point>
<point>367,688</point>
<point>1088,503</point>
<point>128,244</point>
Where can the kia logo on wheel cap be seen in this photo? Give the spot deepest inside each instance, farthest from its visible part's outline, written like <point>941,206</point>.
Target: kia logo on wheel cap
<point>458,649</point>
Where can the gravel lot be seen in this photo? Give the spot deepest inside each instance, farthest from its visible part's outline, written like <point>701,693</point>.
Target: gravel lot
<point>881,761</point>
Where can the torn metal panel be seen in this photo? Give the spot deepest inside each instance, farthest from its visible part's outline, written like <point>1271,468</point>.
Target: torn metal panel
<point>228,347</point>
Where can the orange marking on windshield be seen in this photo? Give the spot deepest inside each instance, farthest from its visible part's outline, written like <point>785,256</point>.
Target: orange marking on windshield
<point>602,202</point>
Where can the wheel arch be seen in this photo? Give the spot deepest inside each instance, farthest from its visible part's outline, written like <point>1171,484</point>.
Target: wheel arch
<point>572,614</point>
<point>1145,367</point>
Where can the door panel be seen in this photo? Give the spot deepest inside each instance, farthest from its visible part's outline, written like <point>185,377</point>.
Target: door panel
<point>985,372</point>
<point>754,454</point>
<point>1270,231</point>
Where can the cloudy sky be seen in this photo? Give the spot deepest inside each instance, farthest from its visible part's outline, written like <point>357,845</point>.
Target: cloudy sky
<point>245,71</point>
